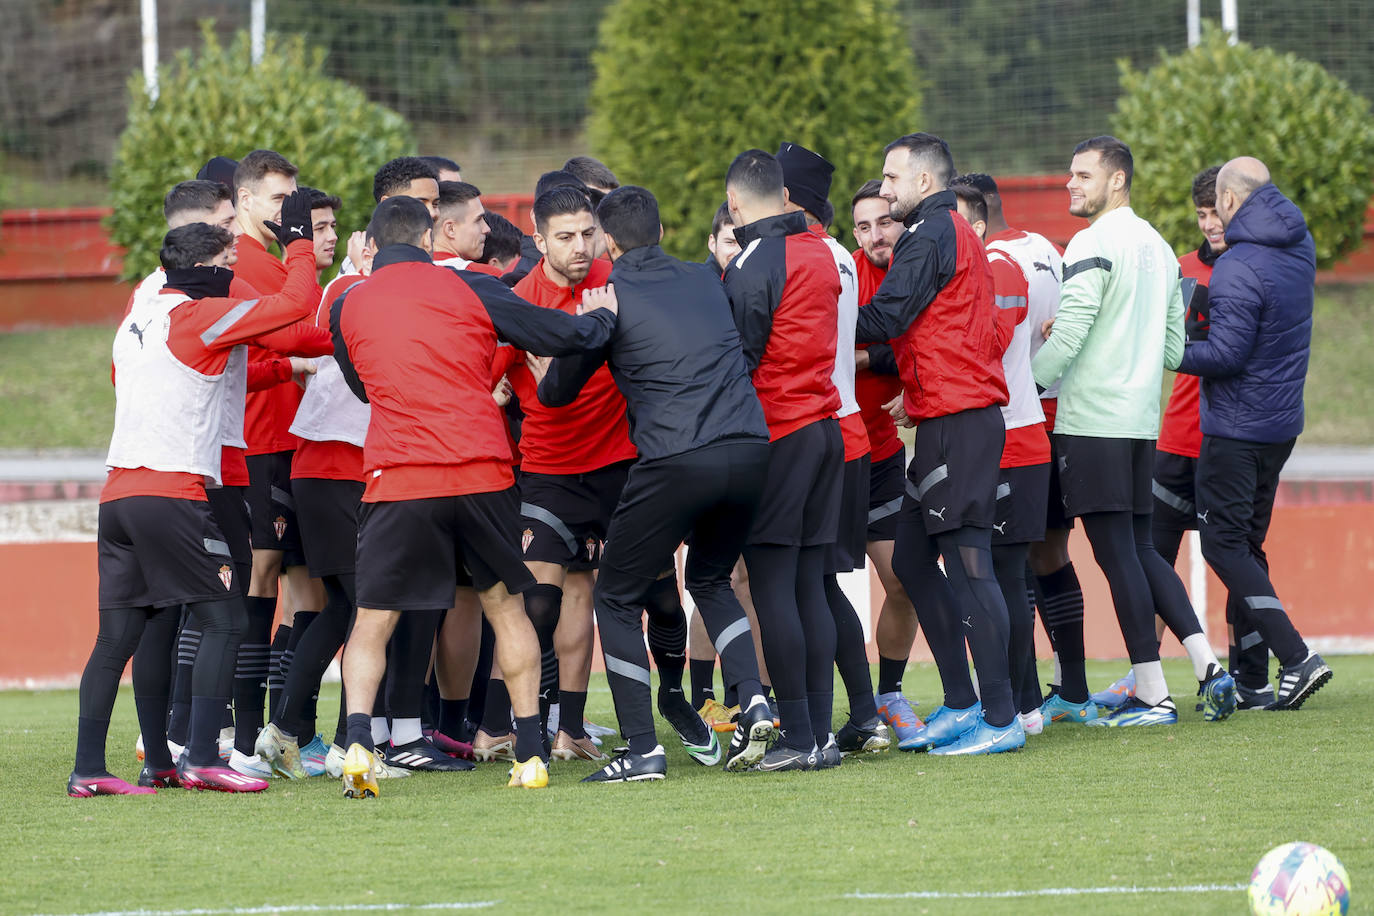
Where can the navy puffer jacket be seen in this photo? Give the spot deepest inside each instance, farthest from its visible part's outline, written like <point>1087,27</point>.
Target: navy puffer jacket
<point>1254,360</point>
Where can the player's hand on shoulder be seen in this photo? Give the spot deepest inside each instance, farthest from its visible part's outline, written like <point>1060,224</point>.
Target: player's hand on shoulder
<point>603,298</point>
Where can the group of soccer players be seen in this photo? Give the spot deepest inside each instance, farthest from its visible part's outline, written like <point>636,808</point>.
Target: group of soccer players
<point>472,444</point>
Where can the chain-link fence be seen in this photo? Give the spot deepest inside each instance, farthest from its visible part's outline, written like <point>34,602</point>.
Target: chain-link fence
<point>501,85</point>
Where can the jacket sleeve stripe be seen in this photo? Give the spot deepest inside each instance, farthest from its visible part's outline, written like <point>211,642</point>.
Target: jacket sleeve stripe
<point>226,321</point>
<point>1010,302</point>
<point>1086,264</point>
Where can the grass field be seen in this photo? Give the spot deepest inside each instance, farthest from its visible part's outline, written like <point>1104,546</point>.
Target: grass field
<point>56,391</point>
<point>1194,805</point>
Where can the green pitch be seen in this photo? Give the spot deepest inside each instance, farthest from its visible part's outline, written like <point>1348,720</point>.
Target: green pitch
<point>1192,807</point>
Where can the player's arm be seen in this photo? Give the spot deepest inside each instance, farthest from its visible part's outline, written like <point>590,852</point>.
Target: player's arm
<point>341,356</point>
<point>1173,326</point>
<point>1233,307</point>
<point>567,375</point>
<point>268,373</point>
<point>882,360</point>
<point>299,339</point>
<point>544,332</point>
<point>753,284</point>
<point>1086,272</point>
<point>920,268</point>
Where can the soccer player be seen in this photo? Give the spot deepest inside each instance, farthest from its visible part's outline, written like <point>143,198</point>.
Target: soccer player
<point>1120,323</point>
<point>446,169</point>
<point>501,249</point>
<point>1253,364</point>
<point>784,291</point>
<point>324,210</point>
<point>806,177</point>
<point>159,545</point>
<point>593,173</point>
<point>936,305</point>
<point>876,384</point>
<point>417,341</point>
<point>1024,480</point>
<point>460,228</point>
<point>703,454</point>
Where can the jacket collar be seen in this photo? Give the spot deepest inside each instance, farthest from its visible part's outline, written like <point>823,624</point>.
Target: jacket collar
<point>1206,255</point>
<point>641,258</point>
<point>398,254</point>
<point>780,225</point>
<point>940,200</point>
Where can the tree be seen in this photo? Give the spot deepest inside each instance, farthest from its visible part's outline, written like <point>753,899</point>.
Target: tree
<point>1218,101</point>
<point>219,104</point>
<point>681,88</point>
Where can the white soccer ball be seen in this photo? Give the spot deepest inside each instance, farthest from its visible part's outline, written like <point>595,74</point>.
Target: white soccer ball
<point>1299,879</point>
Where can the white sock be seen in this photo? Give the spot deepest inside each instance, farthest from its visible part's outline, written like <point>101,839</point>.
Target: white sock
<point>404,731</point>
<point>755,700</point>
<point>1149,682</point>
<point>380,733</point>
<point>1058,672</point>
<point>1201,655</point>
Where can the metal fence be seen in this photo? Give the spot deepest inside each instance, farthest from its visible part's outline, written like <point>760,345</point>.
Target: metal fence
<point>502,85</point>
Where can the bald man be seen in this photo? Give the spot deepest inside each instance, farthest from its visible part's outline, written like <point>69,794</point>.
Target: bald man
<point>1253,362</point>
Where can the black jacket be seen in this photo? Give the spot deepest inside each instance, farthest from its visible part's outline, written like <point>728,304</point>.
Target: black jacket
<point>675,355</point>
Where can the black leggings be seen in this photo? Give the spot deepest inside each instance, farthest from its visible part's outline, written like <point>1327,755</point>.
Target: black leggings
<point>1009,562</point>
<point>407,661</point>
<point>318,646</point>
<point>851,653</point>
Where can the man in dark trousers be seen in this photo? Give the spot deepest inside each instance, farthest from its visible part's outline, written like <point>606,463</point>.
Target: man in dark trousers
<point>1253,365</point>
<point>703,455</point>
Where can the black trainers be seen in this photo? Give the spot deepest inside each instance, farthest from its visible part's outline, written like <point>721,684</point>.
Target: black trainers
<point>783,758</point>
<point>631,767</point>
<point>829,756</point>
<point>1300,681</point>
<point>1254,697</point>
<point>869,737</point>
<point>158,779</point>
<point>698,738</point>
<point>749,742</point>
<point>423,755</point>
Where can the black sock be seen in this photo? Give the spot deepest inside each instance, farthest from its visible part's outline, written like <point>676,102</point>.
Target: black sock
<point>701,672</point>
<point>90,746</point>
<point>179,721</point>
<point>851,656</point>
<point>667,632</point>
<point>360,729</point>
<point>1062,612</point>
<point>732,698</point>
<point>251,673</point>
<point>152,722</point>
<point>451,716</point>
<point>819,706</point>
<point>280,639</point>
<point>572,706</point>
<point>429,711</point>
<point>300,625</point>
<point>800,736</point>
<point>890,673</point>
<point>529,740</point>
<point>203,749</point>
<point>496,716</point>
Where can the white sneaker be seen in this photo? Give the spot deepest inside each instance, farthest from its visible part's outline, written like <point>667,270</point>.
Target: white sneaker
<point>334,763</point>
<point>1033,722</point>
<point>240,762</point>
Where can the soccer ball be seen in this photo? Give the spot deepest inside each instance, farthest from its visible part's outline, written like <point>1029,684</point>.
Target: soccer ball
<point>1299,879</point>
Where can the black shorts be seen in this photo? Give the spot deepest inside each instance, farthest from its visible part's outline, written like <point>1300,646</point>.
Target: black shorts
<point>1021,496</point>
<point>272,505</point>
<point>800,504</point>
<point>952,480</point>
<point>1054,504</point>
<point>328,514</point>
<point>229,506</point>
<point>565,517</point>
<point>413,553</point>
<point>159,551</point>
<point>1105,475</point>
<point>886,484</point>
<point>1175,491</point>
<point>847,553</point>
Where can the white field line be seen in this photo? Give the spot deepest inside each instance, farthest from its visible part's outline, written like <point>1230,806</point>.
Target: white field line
<point>298,908</point>
<point>1048,892</point>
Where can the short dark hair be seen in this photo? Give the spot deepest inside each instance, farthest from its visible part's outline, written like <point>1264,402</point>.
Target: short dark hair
<point>560,201</point>
<point>973,198</point>
<point>591,172</point>
<point>260,163</point>
<point>320,199</point>
<point>192,244</point>
<point>980,180</point>
<point>721,218</point>
<point>561,179</point>
<point>757,173</point>
<point>397,174</point>
<point>399,221</point>
<point>193,196</point>
<point>630,216</point>
<point>1115,155</point>
<point>503,241</point>
<point>932,153</point>
<point>1205,187</point>
<point>441,163</point>
<point>455,193</point>
<point>867,191</point>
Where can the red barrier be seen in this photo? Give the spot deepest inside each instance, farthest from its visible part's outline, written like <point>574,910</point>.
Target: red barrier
<point>58,267</point>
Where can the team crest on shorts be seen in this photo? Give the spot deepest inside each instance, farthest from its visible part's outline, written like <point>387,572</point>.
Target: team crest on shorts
<point>226,575</point>
<point>279,526</point>
<point>591,549</point>
<point>526,539</point>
